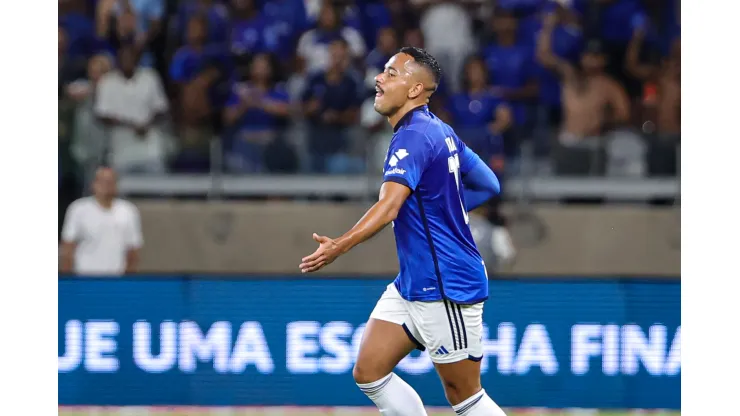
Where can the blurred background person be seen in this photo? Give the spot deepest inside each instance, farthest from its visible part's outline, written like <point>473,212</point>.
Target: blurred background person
<point>512,74</point>
<point>593,103</point>
<point>314,46</point>
<point>195,74</point>
<point>89,145</point>
<point>481,118</point>
<point>102,233</point>
<point>255,115</point>
<point>448,35</point>
<point>131,102</point>
<point>331,104</point>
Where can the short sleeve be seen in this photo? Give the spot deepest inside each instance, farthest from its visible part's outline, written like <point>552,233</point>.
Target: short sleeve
<point>134,239</point>
<point>408,156</point>
<point>71,230</point>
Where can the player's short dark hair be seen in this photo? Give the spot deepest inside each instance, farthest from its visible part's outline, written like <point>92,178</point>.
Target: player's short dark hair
<point>425,59</point>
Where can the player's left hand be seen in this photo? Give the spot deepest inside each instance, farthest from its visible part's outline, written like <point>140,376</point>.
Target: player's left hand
<point>327,252</point>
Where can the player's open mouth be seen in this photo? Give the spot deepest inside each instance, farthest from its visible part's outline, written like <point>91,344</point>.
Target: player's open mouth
<point>378,91</point>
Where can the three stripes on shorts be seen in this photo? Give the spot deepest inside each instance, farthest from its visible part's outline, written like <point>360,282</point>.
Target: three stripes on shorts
<point>457,326</point>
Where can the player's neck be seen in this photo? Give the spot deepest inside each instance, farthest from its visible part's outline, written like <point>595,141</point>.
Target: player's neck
<point>399,115</point>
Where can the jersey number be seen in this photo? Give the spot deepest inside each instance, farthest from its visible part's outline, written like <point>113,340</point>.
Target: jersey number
<point>454,164</point>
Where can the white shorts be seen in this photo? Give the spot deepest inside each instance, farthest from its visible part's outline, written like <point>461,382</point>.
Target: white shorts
<point>450,332</point>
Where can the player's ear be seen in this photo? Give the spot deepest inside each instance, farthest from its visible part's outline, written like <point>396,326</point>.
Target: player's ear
<point>416,90</point>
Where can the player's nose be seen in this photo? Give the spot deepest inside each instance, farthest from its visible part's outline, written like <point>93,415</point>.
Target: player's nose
<point>380,78</point>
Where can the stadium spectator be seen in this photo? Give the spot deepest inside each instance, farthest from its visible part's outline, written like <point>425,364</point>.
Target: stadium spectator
<point>567,44</point>
<point>249,30</point>
<point>215,13</point>
<point>79,28</point>
<point>387,46</point>
<point>254,112</point>
<point>374,16</point>
<point>512,73</point>
<point>330,103</point>
<point>660,105</point>
<point>131,101</point>
<point>101,235</point>
<point>141,21</point>
<point>314,45</point>
<point>195,72</point>
<point>478,115</point>
<point>452,45</point>
<point>69,67</point>
<point>89,144</point>
<point>480,118</point>
<point>593,103</point>
<point>288,20</point>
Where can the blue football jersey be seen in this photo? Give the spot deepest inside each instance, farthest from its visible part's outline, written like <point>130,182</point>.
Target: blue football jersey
<point>437,255</point>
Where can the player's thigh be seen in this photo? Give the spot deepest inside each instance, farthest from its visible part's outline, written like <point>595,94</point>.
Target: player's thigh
<point>387,338</point>
<point>453,335</point>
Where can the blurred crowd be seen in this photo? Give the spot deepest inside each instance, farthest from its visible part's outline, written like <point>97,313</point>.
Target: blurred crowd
<point>578,87</point>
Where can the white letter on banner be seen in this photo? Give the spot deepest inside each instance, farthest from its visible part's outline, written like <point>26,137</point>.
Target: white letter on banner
<point>72,347</point>
<point>636,348</point>
<point>98,343</point>
<point>143,346</point>
<point>673,363</point>
<point>610,350</point>
<point>301,341</point>
<point>251,348</point>
<point>503,348</point>
<point>332,339</point>
<point>536,349</point>
<point>584,345</point>
<point>215,345</point>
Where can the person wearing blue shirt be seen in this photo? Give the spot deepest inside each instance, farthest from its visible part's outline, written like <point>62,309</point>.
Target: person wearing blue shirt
<point>431,182</point>
<point>479,116</point>
<point>512,72</point>
<point>249,30</point>
<point>331,103</point>
<point>287,21</point>
<point>253,115</point>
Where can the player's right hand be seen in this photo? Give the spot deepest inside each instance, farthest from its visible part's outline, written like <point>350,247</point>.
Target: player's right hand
<point>327,252</point>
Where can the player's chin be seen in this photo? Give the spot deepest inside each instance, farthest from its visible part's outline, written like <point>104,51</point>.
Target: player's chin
<point>379,106</point>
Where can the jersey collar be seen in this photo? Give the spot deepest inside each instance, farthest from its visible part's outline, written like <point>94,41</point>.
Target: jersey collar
<point>406,117</point>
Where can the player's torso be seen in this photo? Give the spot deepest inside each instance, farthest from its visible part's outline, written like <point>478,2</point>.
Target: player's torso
<point>437,254</point>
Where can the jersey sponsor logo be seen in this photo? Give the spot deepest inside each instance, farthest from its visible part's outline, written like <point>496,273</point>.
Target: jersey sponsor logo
<point>395,171</point>
<point>427,289</point>
<point>397,157</point>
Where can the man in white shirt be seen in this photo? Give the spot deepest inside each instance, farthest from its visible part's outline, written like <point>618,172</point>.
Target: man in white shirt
<point>131,101</point>
<point>102,233</point>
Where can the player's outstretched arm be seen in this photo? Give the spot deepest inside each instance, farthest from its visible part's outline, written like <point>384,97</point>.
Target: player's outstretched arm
<point>479,181</point>
<point>392,197</point>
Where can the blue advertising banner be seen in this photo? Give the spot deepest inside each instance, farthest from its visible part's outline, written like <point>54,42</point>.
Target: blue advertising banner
<point>190,341</point>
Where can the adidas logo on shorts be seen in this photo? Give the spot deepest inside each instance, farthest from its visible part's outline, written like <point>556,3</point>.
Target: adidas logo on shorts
<point>441,351</point>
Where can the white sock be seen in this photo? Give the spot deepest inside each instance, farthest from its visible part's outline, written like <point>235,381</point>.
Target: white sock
<point>394,397</point>
<point>478,404</point>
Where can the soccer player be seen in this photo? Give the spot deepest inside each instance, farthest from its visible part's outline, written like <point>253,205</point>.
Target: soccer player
<point>431,181</point>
